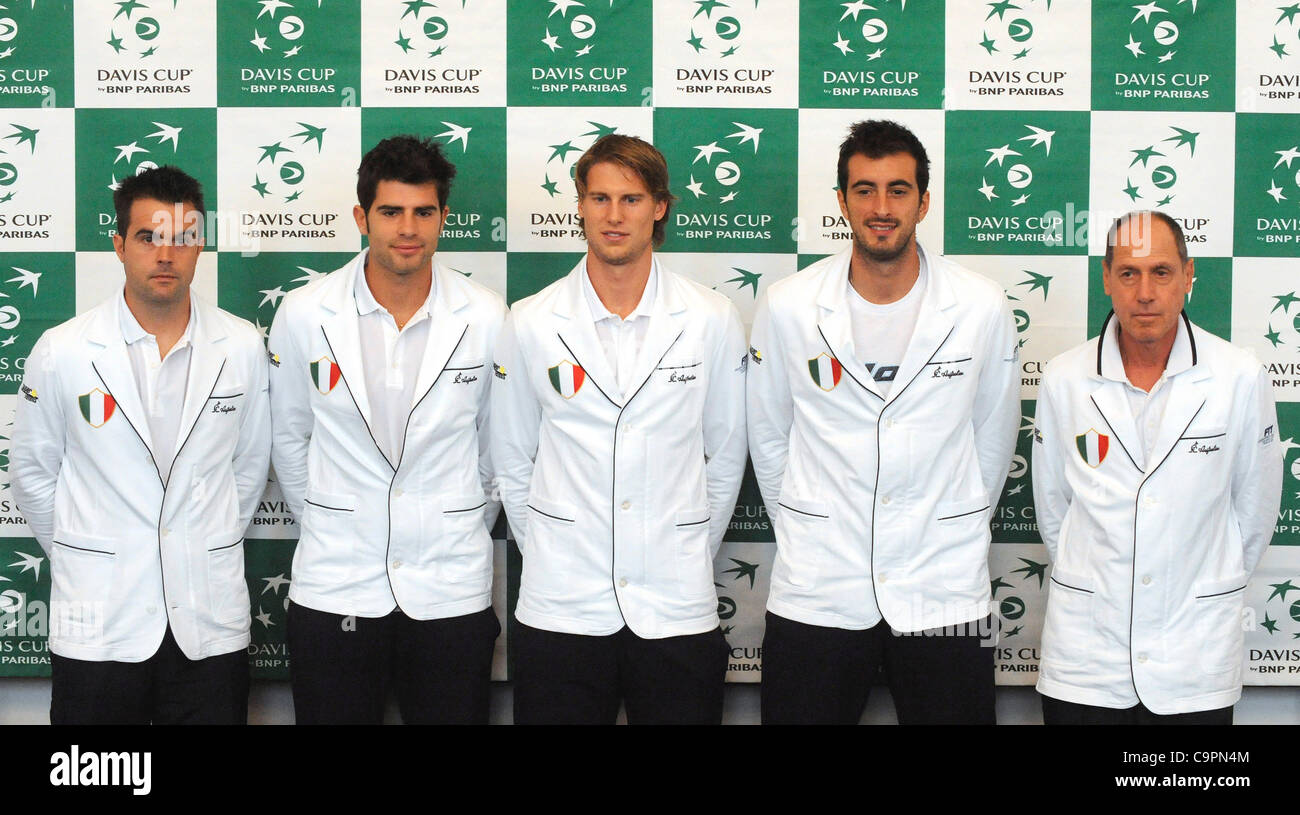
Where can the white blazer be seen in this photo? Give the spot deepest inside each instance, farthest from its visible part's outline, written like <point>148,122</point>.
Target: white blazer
<point>129,553</point>
<point>619,505</point>
<point>1149,565</point>
<point>373,536</point>
<point>881,505</point>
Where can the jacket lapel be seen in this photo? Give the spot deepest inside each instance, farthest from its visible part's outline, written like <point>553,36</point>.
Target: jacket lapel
<point>835,327</point>
<point>934,325</point>
<point>1186,398</point>
<point>1117,417</point>
<point>445,333</point>
<point>207,358</point>
<point>113,366</point>
<point>662,333</point>
<point>342,334</point>
<point>577,331</point>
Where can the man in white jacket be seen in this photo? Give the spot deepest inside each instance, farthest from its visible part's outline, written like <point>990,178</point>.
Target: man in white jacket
<point>379,388</point>
<point>884,398</point>
<point>619,440</point>
<point>140,450</point>
<point>1157,481</point>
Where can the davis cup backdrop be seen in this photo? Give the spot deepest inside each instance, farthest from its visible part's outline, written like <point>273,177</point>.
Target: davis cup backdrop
<point>1038,115</point>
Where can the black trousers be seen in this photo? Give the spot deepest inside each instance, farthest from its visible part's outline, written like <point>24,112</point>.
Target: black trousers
<point>342,667</point>
<point>578,679</point>
<point>818,675</point>
<point>166,688</point>
<point>1056,711</point>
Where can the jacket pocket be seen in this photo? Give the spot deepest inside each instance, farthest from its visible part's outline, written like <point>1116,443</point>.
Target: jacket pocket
<point>802,529</point>
<point>694,566</point>
<point>1069,630</point>
<point>330,502</point>
<point>464,549</point>
<point>550,565</point>
<point>227,589</point>
<point>1219,635</point>
<point>82,568</point>
<point>961,530</point>
<point>326,547</point>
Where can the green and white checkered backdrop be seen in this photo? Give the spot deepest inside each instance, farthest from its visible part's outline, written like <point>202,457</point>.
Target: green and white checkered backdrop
<point>1038,115</point>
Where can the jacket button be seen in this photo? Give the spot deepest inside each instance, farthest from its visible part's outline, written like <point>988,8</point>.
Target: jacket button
<point>1146,580</point>
<point>884,578</point>
<point>1142,658</point>
<point>166,531</point>
<point>627,505</point>
<point>885,500</point>
<point>397,493</point>
<point>397,564</point>
<point>623,583</point>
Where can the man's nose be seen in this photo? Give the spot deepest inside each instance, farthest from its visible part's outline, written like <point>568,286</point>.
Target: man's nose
<point>1146,288</point>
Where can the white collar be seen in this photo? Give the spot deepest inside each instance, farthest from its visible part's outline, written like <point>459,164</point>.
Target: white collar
<point>1110,365</point>
<point>644,308</point>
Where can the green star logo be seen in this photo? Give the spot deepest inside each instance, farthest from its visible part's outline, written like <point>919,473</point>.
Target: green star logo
<point>1284,302</point>
<point>1269,624</point>
<point>23,134</point>
<point>1281,589</point>
<point>1281,178</point>
<point>743,570</point>
<point>561,151</point>
<point>1036,282</point>
<point>271,151</point>
<point>1018,175</point>
<point>1012,33</point>
<point>429,31</point>
<point>126,27</point>
<point>289,172</point>
<point>1154,181</point>
<point>727,172</point>
<point>1000,9</point>
<point>744,278</point>
<point>998,583</point>
<point>1032,569</point>
<point>127,7</point>
<point>714,33</point>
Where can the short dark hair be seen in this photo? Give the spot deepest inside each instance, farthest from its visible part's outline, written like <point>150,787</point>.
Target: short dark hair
<point>1112,235</point>
<point>408,159</point>
<point>167,184</point>
<point>640,157</point>
<point>877,138</point>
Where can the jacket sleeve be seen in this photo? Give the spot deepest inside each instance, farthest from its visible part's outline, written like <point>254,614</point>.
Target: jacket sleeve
<point>770,407</point>
<point>996,412</point>
<point>1052,494</point>
<point>253,448</point>
<point>1257,471</point>
<point>291,407</point>
<point>36,449</point>
<point>724,427</point>
<point>516,422</point>
<point>486,470</point>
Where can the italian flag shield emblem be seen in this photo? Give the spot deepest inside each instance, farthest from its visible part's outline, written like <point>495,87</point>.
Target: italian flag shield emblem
<point>1092,446</point>
<point>325,374</point>
<point>96,407</point>
<point>567,378</point>
<point>826,371</point>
